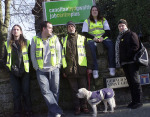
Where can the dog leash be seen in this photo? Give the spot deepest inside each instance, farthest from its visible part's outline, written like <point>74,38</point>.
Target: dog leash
<point>89,80</point>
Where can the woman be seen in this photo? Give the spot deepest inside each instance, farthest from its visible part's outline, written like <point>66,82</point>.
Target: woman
<point>16,61</point>
<point>96,28</point>
<point>127,45</point>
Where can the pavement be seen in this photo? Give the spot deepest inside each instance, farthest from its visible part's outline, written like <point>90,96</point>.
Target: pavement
<point>120,111</point>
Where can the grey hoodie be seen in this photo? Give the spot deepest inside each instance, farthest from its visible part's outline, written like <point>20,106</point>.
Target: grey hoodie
<point>47,67</point>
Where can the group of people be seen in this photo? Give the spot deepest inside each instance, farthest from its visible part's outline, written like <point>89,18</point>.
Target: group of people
<point>76,53</point>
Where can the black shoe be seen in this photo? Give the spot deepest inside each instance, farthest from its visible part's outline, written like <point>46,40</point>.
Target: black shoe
<point>85,110</point>
<point>77,111</point>
<point>17,114</point>
<point>63,115</point>
<point>29,114</point>
<point>137,105</point>
<point>130,105</point>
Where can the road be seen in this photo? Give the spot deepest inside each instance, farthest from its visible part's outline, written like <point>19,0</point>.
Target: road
<point>120,111</point>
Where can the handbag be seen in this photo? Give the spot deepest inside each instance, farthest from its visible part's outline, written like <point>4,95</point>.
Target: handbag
<point>141,56</point>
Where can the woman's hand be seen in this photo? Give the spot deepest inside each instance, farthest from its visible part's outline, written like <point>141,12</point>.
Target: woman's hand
<point>100,39</point>
<point>95,39</point>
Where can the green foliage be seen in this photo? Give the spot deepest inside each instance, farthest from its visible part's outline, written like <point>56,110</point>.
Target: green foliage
<point>136,12</point>
<point>107,8</point>
<point>61,31</point>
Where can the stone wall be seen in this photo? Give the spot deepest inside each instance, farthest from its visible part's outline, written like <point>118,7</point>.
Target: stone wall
<point>122,95</point>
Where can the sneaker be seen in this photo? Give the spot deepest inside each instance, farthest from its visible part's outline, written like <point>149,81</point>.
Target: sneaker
<point>112,71</point>
<point>95,74</point>
<point>137,105</point>
<point>58,115</point>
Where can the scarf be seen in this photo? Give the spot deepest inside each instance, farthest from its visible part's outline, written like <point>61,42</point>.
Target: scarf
<point>117,48</point>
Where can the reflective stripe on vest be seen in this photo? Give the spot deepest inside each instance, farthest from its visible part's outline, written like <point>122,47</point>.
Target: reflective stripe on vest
<point>82,60</point>
<point>24,54</point>
<point>96,29</point>
<point>39,51</point>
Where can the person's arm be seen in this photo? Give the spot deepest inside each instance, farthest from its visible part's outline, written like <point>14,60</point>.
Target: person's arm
<point>32,54</point>
<point>106,34</point>
<point>88,55</point>
<point>107,29</point>
<point>85,30</point>
<point>133,45</point>
<point>87,35</point>
<point>58,52</point>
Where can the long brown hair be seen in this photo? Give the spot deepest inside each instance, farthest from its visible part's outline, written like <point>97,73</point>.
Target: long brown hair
<point>22,41</point>
<point>99,17</point>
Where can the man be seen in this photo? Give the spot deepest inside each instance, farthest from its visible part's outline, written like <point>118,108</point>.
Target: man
<point>46,57</point>
<point>76,60</point>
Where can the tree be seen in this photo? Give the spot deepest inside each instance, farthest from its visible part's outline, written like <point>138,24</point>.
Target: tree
<point>4,23</point>
<point>37,11</point>
<point>15,12</point>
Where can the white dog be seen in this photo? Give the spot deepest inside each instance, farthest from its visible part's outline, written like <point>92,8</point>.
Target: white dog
<point>95,97</point>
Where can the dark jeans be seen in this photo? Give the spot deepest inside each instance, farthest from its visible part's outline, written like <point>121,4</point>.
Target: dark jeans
<point>93,50</point>
<point>75,84</point>
<point>131,73</point>
<point>111,52</point>
<point>21,89</point>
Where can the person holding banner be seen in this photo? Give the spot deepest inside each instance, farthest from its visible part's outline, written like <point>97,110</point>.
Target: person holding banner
<point>46,58</point>
<point>127,44</point>
<point>16,60</point>
<point>77,62</point>
<point>96,29</point>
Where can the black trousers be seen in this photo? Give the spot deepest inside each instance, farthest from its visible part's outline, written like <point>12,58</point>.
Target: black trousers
<point>131,73</point>
<point>75,84</point>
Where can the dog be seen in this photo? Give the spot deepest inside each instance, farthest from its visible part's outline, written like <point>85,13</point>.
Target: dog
<point>95,97</point>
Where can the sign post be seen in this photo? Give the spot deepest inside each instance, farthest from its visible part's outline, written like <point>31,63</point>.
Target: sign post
<point>60,12</point>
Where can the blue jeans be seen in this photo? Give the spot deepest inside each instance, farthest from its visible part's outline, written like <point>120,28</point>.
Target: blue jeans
<point>111,52</point>
<point>21,88</point>
<point>93,50</point>
<point>49,85</point>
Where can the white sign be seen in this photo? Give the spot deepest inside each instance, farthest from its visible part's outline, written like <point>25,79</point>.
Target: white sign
<point>119,82</point>
<point>116,82</point>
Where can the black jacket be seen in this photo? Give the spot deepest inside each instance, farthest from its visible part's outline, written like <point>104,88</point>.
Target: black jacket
<point>129,44</point>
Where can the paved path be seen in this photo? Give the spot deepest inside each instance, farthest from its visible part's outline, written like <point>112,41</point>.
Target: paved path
<point>120,111</point>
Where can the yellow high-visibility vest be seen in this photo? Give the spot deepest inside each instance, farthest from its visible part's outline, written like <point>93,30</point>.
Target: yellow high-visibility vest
<point>24,54</point>
<point>82,59</point>
<point>96,29</point>
<point>39,51</point>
